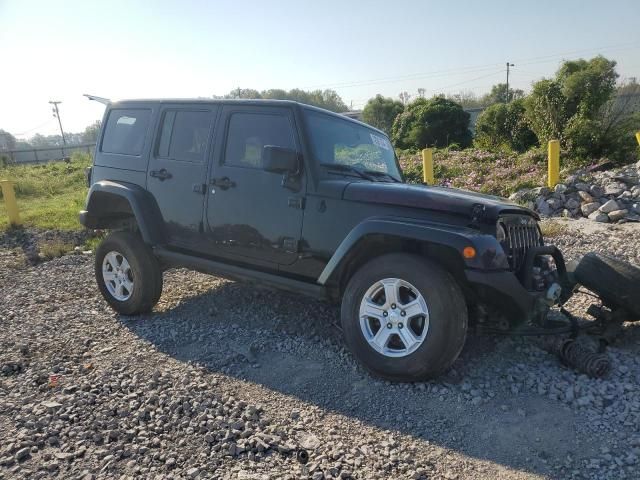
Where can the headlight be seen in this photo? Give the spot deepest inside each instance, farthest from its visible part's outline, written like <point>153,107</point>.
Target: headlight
<point>501,233</point>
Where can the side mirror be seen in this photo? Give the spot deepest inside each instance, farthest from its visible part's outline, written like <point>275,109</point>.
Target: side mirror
<point>279,159</point>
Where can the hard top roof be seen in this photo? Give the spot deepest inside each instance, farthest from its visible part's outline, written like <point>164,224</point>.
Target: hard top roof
<point>238,101</point>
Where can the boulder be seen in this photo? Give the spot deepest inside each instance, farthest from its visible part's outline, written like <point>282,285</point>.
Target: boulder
<point>560,188</point>
<point>585,196</point>
<point>521,196</point>
<point>597,191</point>
<point>599,217</point>
<point>572,204</point>
<point>609,206</point>
<point>555,203</point>
<point>617,215</point>
<point>543,207</point>
<point>614,189</point>
<point>541,191</point>
<point>588,208</point>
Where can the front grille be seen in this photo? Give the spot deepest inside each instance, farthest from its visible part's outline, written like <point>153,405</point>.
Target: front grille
<point>522,233</point>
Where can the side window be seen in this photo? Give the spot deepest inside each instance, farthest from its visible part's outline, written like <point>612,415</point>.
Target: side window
<point>184,135</point>
<point>249,132</point>
<point>125,131</point>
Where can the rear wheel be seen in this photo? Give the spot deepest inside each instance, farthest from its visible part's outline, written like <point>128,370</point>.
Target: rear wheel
<point>127,273</point>
<point>404,317</point>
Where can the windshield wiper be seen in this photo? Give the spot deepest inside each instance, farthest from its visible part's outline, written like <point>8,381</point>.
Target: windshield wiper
<point>341,167</point>
<point>372,175</point>
<point>382,174</point>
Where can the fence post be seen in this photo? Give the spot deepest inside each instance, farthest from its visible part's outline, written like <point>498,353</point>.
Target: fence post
<point>553,173</point>
<point>638,137</point>
<point>427,166</point>
<point>10,201</point>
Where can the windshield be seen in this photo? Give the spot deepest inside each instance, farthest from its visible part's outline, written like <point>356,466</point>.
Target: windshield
<point>342,142</point>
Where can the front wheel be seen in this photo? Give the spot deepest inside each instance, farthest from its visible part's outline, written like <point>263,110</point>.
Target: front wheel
<point>128,274</point>
<point>404,317</point>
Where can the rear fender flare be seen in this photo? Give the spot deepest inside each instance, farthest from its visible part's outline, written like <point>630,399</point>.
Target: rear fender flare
<point>142,204</point>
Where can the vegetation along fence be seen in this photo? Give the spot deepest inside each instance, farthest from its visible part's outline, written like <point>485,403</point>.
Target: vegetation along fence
<point>44,154</point>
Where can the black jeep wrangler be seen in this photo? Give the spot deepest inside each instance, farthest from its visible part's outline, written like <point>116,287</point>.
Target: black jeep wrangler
<point>306,200</point>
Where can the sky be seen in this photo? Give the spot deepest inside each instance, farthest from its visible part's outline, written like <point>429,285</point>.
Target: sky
<point>59,50</point>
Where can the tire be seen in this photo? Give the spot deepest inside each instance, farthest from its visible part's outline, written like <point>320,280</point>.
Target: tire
<point>617,283</point>
<point>137,286</point>
<point>445,319</point>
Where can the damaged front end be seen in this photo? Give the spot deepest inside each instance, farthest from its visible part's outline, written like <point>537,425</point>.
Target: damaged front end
<point>530,299</point>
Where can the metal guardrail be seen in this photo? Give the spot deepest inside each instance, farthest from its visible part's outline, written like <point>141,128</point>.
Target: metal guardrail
<point>44,154</point>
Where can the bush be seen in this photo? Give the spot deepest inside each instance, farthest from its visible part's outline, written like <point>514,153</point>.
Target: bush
<point>380,112</point>
<point>578,108</point>
<point>504,126</point>
<point>437,122</point>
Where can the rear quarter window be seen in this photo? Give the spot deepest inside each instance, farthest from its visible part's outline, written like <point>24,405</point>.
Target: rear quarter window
<point>125,131</point>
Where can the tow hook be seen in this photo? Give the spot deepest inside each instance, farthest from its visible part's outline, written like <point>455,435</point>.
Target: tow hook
<point>553,294</point>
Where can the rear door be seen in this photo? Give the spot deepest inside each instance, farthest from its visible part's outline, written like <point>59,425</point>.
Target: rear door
<point>177,171</point>
<point>252,214</point>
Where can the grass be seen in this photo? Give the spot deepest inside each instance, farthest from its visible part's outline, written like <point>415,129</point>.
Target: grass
<point>495,173</point>
<point>552,228</point>
<point>49,195</point>
<point>93,242</point>
<point>54,249</point>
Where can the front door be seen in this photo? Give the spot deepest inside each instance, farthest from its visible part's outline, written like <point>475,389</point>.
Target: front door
<point>177,171</point>
<point>251,216</point>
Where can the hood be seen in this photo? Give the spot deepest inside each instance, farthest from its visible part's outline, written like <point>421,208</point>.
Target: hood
<point>441,199</point>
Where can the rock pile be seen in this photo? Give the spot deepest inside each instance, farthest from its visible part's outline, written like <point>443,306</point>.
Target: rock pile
<point>608,196</point>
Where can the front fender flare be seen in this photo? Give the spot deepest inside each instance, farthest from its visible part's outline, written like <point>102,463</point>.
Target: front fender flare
<point>489,256</point>
<point>142,204</point>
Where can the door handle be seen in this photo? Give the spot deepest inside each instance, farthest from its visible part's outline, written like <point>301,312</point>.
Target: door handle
<point>161,174</point>
<point>223,183</point>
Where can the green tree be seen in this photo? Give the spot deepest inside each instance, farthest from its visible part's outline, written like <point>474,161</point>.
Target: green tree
<point>327,99</point>
<point>578,107</point>
<point>380,112</point>
<point>90,134</point>
<point>437,122</point>
<point>504,124</point>
<point>7,141</point>
<point>498,94</point>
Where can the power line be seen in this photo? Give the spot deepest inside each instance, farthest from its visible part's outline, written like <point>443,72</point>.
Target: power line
<point>471,69</point>
<point>34,128</point>
<point>414,76</point>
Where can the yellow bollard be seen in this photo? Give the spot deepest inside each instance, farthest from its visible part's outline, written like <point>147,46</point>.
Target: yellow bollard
<point>10,201</point>
<point>427,166</point>
<point>553,174</point>
<point>638,137</point>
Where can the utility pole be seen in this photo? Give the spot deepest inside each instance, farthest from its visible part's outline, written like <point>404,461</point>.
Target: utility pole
<point>508,65</point>
<point>56,114</point>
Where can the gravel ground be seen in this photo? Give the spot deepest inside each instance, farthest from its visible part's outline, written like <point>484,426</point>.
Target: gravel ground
<point>227,381</point>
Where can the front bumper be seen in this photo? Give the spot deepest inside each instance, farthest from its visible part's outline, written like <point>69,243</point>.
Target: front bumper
<point>512,294</point>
